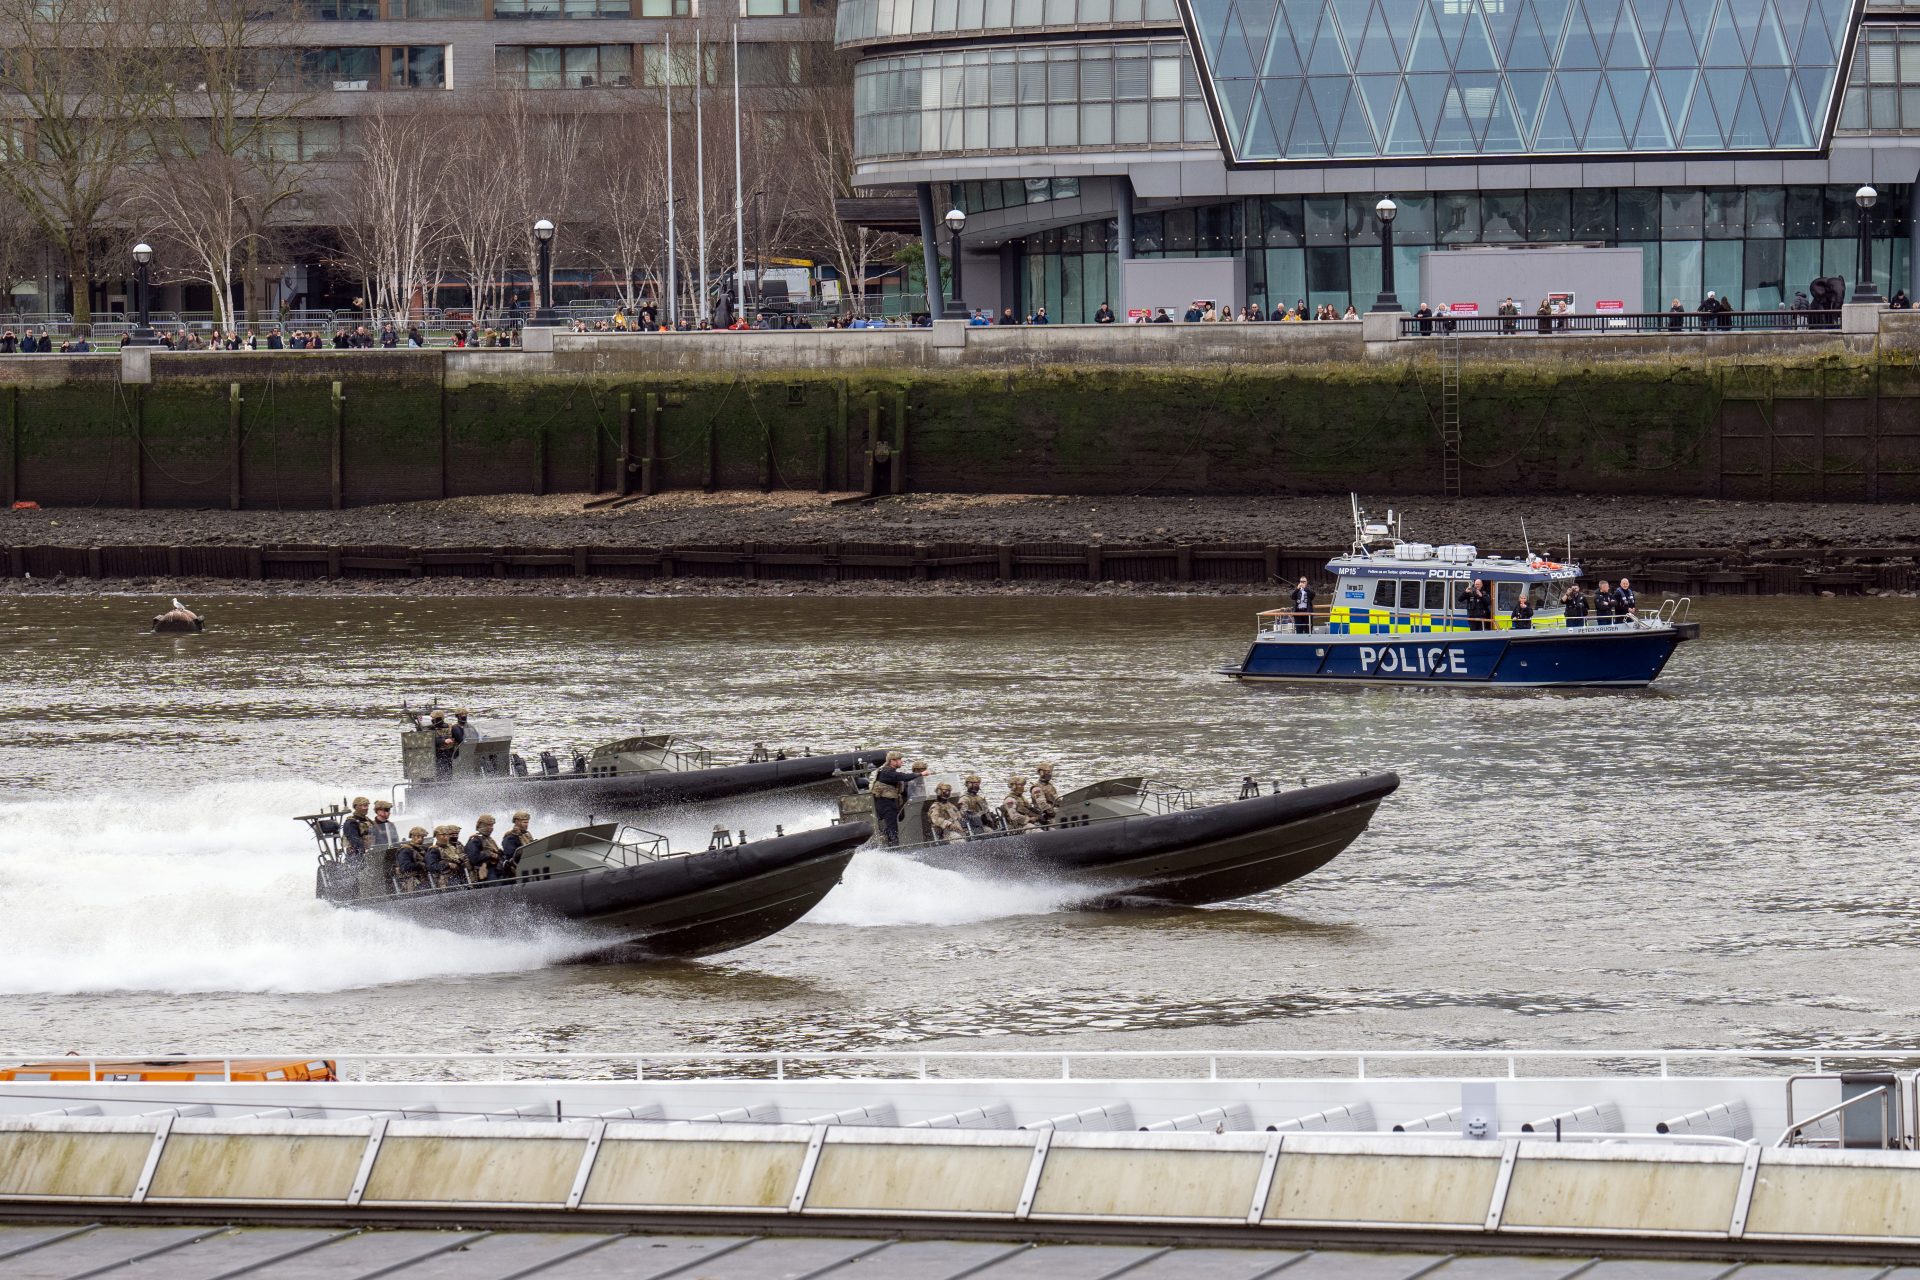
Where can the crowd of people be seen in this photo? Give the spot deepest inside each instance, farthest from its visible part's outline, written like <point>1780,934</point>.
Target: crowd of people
<point>968,815</point>
<point>381,862</point>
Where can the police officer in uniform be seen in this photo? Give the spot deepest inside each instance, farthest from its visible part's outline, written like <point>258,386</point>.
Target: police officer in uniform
<point>1576,604</point>
<point>1016,810</point>
<point>1603,605</point>
<point>1044,795</point>
<point>944,823</point>
<point>356,835</point>
<point>410,861</point>
<point>1624,601</point>
<point>976,811</point>
<point>1479,606</point>
<point>1521,617</point>
<point>483,855</point>
<point>518,837</point>
<point>1302,607</point>
<point>889,788</point>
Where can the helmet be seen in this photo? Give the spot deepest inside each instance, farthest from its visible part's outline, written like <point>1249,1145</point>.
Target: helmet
<point>973,779</point>
<point>1016,781</point>
<point>1045,766</point>
<point>944,789</point>
<point>484,820</point>
<point>383,806</point>
<point>439,715</point>
<point>919,766</point>
<point>521,815</point>
<point>460,711</point>
<point>416,833</point>
<point>359,801</point>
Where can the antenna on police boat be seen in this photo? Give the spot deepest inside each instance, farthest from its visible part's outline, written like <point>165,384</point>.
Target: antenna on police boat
<point>1527,542</point>
<point>1569,548</point>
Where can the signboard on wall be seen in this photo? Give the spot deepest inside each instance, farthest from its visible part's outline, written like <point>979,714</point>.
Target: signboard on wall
<point>1561,299</point>
<point>1463,308</point>
<point>1610,306</point>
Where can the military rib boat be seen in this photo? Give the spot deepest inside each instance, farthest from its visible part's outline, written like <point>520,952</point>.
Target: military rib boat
<point>623,890</point>
<point>628,775</point>
<point>1132,840</point>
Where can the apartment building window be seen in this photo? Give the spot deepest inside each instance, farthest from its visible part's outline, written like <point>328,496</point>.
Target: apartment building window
<point>588,66</point>
<point>592,8</point>
<point>655,71</point>
<point>288,140</point>
<point>769,8</point>
<point>769,64</point>
<point>340,10</point>
<point>353,69</point>
<point>419,66</point>
<point>437,9</point>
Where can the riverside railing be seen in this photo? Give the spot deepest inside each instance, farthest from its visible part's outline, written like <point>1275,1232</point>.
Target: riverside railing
<point>1637,323</point>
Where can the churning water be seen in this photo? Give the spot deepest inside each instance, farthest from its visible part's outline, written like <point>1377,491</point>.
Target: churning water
<point>1724,859</point>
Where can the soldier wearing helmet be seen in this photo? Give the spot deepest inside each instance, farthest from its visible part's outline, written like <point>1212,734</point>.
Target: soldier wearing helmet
<point>944,823</point>
<point>976,811</point>
<point>446,864</point>
<point>917,787</point>
<point>482,854</point>
<point>1016,810</point>
<point>445,746</point>
<point>410,861</point>
<point>518,837</point>
<point>1045,796</point>
<point>889,790</point>
<point>356,834</point>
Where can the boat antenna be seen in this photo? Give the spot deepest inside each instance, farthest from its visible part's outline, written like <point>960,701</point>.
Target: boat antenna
<point>1569,548</point>
<point>1525,541</point>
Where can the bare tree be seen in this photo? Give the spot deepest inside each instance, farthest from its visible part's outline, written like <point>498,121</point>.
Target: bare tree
<point>392,213</point>
<point>626,198</point>
<point>79,82</point>
<point>480,205</point>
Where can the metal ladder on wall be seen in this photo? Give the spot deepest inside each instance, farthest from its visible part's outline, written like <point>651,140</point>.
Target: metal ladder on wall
<point>1450,414</point>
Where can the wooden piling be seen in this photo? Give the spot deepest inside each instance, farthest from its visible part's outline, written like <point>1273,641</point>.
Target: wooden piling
<point>10,456</point>
<point>898,472</point>
<point>650,461</point>
<point>136,472</point>
<point>624,483</point>
<point>336,475</point>
<point>233,446</point>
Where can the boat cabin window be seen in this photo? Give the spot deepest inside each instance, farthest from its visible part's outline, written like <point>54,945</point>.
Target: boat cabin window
<point>1384,592</point>
<point>1505,594</point>
<point>1409,596</point>
<point>1436,596</point>
<point>1555,593</point>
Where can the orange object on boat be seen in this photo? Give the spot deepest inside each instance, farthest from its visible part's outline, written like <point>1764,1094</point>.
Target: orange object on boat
<point>172,1070</point>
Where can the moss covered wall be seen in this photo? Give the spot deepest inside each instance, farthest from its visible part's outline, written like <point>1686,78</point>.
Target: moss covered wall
<point>1833,427</point>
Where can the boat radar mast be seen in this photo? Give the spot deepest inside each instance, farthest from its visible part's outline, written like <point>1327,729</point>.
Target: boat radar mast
<point>1367,531</point>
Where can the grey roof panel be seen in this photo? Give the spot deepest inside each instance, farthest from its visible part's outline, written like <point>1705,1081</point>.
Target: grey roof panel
<point>18,1240</point>
<point>782,1258</point>
<point>1652,1269</point>
<point>1069,1262</point>
<point>1502,1267</point>
<point>1359,1266</point>
<point>1215,1264</point>
<point>641,1257</point>
<point>227,1252</point>
<point>931,1260</point>
<point>369,1251</point>
<point>510,1253</point>
<point>101,1248</point>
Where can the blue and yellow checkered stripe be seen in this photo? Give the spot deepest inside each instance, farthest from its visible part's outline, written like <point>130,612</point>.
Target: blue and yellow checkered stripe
<point>1345,620</point>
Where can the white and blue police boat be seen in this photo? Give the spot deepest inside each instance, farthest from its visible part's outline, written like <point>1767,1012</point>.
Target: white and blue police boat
<point>1400,615</point>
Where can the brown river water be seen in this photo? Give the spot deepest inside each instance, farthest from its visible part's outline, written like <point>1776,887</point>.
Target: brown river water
<point>1727,859</point>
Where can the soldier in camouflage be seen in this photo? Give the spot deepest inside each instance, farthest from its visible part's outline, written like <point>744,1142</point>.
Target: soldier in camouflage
<point>518,837</point>
<point>976,811</point>
<point>1016,810</point>
<point>356,835</point>
<point>944,823</point>
<point>445,862</point>
<point>482,854</point>
<point>1046,797</point>
<point>410,861</point>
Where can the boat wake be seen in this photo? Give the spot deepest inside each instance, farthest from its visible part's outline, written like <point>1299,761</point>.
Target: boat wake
<point>207,889</point>
<point>882,889</point>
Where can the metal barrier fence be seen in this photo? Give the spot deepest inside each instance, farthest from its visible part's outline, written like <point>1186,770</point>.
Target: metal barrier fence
<point>1619,323</point>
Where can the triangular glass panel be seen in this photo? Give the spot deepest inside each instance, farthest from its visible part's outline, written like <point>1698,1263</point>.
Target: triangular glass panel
<point>1603,16</point>
<point>1503,135</point>
<point>1676,48</point>
<point>1702,131</point>
<point>1795,130</point>
<point>1839,14</point>
<point>1377,51</point>
<point>1403,135</point>
<point>1283,59</point>
<point>1476,47</point>
<point>1746,21</point>
<point>1378,92</point>
<point>1629,90</point>
<point>1425,53</point>
<point>1529,48</point>
<point>1427,93</point>
<point>1793,20</point>
<point>1815,49</point>
<point>1236,103</point>
<point>1451,18</point>
<point>1329,94</point>
<point>1722,48</point>
<point>1579,88</point>
<point>1725,86</point>
<point>1477,94</point>
<point>1500,21</point>
<point>1749,122</point>
<point>1307,137</point>
<point>1352,15</point>
<point>1772,86</point>
<point>1325,56</point>
<point>1553,21</point>
<point>1402,17</point>
<point>1455,135</point>
<point>1580,49</point>
<point>1234,58</point>
<point>1355,137</point>
<point>1556,131</point>
<point>1650,21</point>
<point>1698,15</point>
<point>1675,88</point>
<point>1627,49</point>
<point>1528,87</point>
<point>1604,131</point>
<point>1769,41</point>
<point>1816,85</point>
<point>1274,116</point>
<point>1653,133</point>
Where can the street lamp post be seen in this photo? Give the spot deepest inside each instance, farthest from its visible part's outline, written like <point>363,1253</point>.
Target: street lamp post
<point>543,316</point>
<point>143,334</point>
<point>1863,286</point>
<point>1388,299</point>
<point>956,221</point>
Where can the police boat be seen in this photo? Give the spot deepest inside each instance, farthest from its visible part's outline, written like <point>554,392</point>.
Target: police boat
<point>621,891</point>
<point>1401,615</point>
<point>628,775</point>
<point>1135,841</point>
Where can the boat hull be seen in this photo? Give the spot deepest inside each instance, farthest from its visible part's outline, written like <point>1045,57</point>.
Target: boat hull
<point>1575,657</point>
<point>694,905</point>
<point>1189,857</point>
<point>636,792</point>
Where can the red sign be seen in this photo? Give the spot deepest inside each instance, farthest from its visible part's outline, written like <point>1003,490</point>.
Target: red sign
<point>1610,304</point>
<point>1138,315</point>
<point>1464,308</point>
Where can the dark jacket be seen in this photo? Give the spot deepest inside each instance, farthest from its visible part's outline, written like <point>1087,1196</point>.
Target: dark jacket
<point>1303,599</point>
<point>1623,601</point>
<point>1522,616</point>
<point>1577,604</point>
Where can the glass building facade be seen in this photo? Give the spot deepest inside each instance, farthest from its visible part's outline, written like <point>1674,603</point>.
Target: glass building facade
<point>1753,246</point>
<point>1296,80</point>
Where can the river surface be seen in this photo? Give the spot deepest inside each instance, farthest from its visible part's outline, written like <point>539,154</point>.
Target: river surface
<point>1727,859</point>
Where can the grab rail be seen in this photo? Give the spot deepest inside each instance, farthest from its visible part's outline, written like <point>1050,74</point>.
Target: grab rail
<point>1798,1128</point>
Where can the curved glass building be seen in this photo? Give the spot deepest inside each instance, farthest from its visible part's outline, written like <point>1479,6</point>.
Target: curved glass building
<point>1722,141</point>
